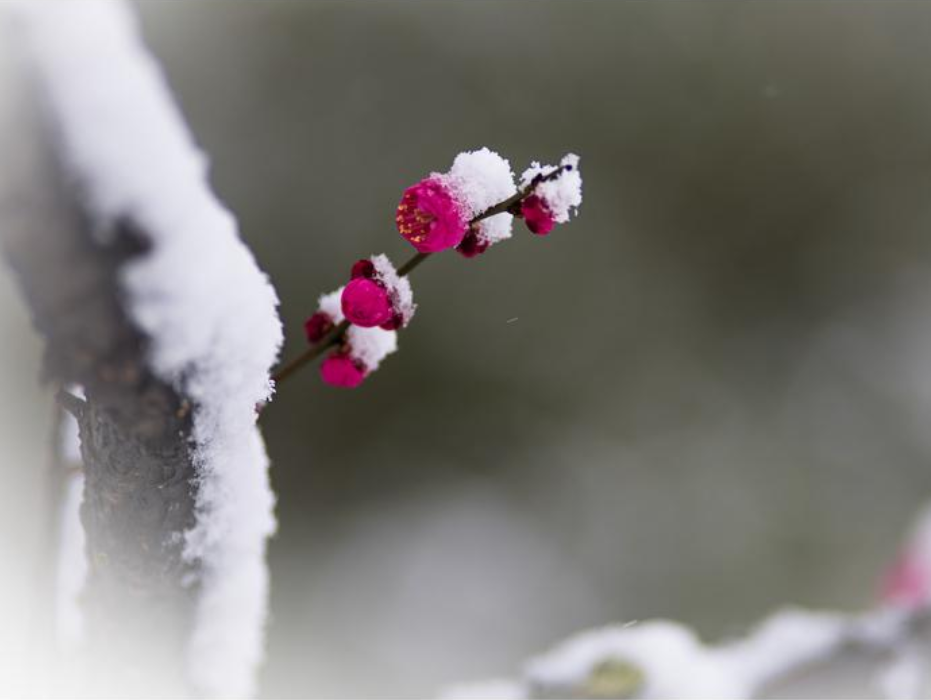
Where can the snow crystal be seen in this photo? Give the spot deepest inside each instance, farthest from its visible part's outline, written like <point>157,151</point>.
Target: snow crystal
<point>480,179</point>
<point>399,288</point>
<point>198,294</point>
<point>371,345</point>
<point>564,193</point>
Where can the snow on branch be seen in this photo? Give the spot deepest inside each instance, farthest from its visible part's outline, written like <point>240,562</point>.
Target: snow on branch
<point>885,652</point>
<point>206,313</point>
<point>791,650</point>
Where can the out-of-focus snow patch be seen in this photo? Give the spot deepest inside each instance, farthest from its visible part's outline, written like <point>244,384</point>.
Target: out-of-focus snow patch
<point>907,676</point>
<point>782,642</point>
<point>655,659</point>
<point>197,293</point>
<point>495,689</point>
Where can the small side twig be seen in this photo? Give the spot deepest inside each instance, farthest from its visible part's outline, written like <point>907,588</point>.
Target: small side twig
<point>71,403</point>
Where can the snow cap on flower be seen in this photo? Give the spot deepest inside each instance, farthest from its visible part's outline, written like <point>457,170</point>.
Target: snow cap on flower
<point>369,346</point>
<point>435,213</point>
<point>907,583</point>
<point>552,199</point>
<point>480,180</point>
<point>377,295</point>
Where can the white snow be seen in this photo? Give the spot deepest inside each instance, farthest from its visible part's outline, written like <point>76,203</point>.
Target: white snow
<point>399,288</point>
<point>479,180</point>
<point>198,294</point>
<point>371,345</point>
<point>331,305</point>
<point>495,228</point>
<point>906,676</point>
<point>563,195</point>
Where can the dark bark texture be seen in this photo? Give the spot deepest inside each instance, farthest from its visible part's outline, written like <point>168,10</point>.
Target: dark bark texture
<point>135,429</point>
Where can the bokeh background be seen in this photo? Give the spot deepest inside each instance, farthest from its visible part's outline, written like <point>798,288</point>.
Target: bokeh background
<point>706,397</point>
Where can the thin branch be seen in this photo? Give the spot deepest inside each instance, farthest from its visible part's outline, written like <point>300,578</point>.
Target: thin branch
<point>334,337</point>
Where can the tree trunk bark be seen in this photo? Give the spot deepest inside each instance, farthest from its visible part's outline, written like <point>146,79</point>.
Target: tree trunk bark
<point>135,429</point>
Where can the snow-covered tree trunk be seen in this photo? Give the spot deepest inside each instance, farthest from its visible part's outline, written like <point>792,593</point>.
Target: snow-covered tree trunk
<point>137,280</point>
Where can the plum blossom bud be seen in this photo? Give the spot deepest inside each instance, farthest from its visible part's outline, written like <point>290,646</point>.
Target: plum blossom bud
<point>365,303</point>
<point>537,215</point>
<point>327,316</point>
<point>377,295</point>
<point>339,369</point>
<point>472,245</point>
<point>556,194</point>
<point>360,354</point>
<point>317,326</point>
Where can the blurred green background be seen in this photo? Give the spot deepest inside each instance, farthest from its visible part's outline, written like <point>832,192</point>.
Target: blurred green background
<point>707,396</point>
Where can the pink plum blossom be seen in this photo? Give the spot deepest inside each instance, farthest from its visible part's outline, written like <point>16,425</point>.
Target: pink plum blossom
<point>907,582</point>
<point>429,216</point>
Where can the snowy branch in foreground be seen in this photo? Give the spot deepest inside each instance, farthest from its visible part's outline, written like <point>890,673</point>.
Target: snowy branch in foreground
<point>794,653</point>
<point>190,329</point>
